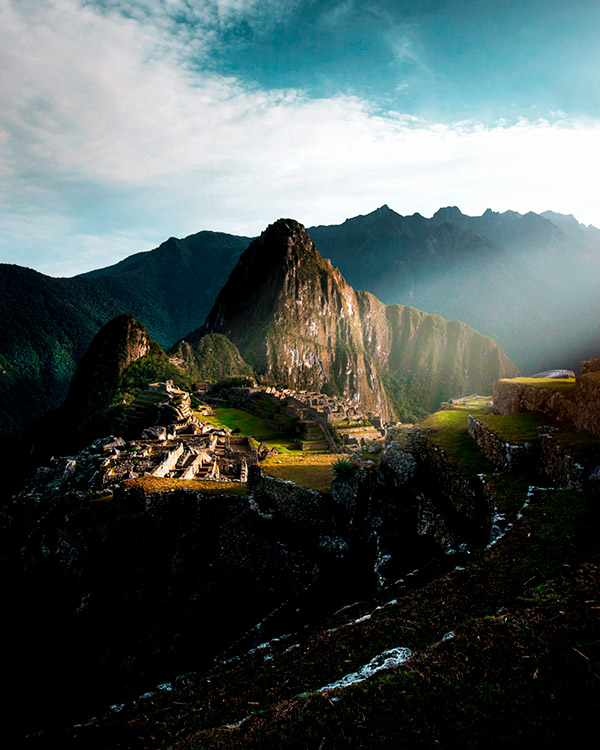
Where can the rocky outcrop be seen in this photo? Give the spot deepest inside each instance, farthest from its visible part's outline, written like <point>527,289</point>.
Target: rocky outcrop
<point>590,365</point>
<point>297,322</point>
<point>294,506</point>
<point>120,343</point>
<point>461,500</point>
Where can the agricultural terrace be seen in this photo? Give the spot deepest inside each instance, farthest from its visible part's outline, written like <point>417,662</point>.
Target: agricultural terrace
<point>309,470</point>
<point>551,384</point>
<point>448,431</point>
<point>243,422</point>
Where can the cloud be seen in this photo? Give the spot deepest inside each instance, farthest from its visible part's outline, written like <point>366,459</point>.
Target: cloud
<point>110,137</point>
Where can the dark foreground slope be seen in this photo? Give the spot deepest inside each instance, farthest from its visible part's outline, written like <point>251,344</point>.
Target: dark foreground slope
<point>495,646</point>
<point>298,323</point>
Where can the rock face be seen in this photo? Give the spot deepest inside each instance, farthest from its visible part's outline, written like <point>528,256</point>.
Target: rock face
<point>587,399</point>
<point>296,321</point>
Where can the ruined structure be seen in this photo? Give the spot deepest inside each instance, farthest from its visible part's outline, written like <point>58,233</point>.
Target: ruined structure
<point>577,402</point>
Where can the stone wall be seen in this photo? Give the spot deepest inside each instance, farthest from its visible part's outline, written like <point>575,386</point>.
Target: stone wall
<point>504,456</point>
<point>512,397</point>
<point>462,499</point>
<point>590,365</point>
<point>587,398</point>
<point>580,406</point>
<point>286,501</point>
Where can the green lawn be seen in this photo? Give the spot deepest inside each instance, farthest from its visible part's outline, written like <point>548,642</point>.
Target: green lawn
<point>555,384</point>
<point>516,428</point>
<point>252,426</point>
<point>448,430</point>
<point>246,423</point>
<point>313,471</point>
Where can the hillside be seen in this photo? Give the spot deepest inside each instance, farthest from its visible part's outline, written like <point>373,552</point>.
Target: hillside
<point>47,324</point>
<point>298,323</point>
<point>529,281</point>
<point>209,357</point>
<point>433,592</point>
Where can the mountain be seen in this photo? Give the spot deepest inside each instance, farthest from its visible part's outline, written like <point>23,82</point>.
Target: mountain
<point>528,281</point>
<point>523,279</point>
<point>181,278</point>
<point>118,365</point>
<point>47,324</point>
<point>298,323</point>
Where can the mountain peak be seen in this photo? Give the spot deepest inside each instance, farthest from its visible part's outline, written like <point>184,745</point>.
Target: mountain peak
<point>448,214</point>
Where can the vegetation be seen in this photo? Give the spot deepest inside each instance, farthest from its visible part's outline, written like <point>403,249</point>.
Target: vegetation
<point>314,471</point>
<point>206,487</point>
<point>519,660</point>
<point>344,468</point>
<point>237,381</point>
<point>242,420</point>
<point>211,357</point>
<point>448,431</point>
<point>554,384</point>
<point>516,428</point>
<point>154,367</point>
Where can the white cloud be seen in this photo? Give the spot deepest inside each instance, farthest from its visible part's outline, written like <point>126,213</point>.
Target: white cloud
<point>105,105</point>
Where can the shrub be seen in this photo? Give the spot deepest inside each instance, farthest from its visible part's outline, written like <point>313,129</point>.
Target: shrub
<point>344,468</point>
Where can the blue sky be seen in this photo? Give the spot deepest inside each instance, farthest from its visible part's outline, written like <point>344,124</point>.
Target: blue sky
<point>125,122</point>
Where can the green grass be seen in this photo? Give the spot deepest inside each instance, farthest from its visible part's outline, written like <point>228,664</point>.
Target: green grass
<point>554,384</point>
<point>253,426</point>
<point>240,419</point>
<point>516,428</point>
<point>163,484</point>
<point>522,664</point>
<point>285,447</point>
<point>313,471</point>
<point>448,431</point>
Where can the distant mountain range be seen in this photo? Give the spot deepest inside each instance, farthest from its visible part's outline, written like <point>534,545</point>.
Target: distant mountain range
<point>529,281</point>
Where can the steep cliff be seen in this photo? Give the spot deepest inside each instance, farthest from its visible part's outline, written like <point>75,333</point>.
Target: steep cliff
<point>297,322</point>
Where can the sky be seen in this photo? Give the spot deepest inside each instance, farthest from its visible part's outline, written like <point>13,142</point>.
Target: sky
<point>125,122</point>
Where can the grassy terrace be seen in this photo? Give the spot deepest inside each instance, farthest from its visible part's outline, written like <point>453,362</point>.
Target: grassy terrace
<point>163,484</point>
<point>448,431</point>
<point>239,419</point>
<point>312,471</point>
<point>254,426</point>
<point>516,428</point>
<point>554,384</point>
